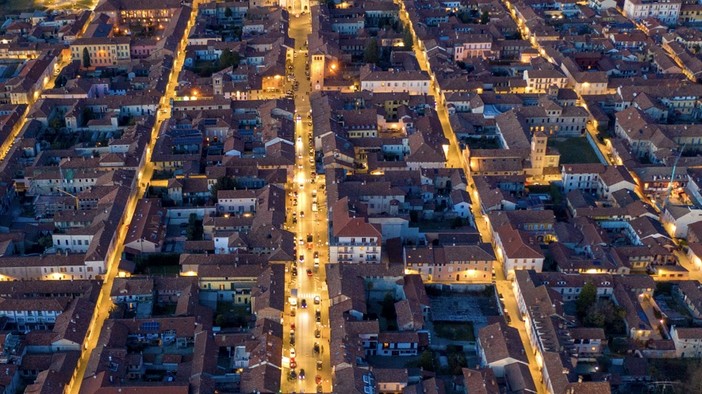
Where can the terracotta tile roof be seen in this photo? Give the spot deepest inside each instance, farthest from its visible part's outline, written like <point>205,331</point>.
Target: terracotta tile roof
<point>481,381</point>
<point>518,244</point>
<point>500,342</point>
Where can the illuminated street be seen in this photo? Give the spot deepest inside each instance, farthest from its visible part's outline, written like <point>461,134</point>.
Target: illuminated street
<point>308,284</point>
<point>104,304</point>
<point>454,158</point>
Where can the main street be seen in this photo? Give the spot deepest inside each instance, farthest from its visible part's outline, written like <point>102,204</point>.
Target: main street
<point>310,345</point>
<point>104,303</point>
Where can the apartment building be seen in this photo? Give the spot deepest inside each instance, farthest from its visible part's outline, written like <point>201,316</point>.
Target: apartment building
<point>666,11</point>
<point>102,51</point>
<point>353,239</point>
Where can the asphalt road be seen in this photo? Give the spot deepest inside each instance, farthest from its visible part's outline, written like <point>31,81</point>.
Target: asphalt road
<point>144,175</point>
<point>308,223</point>
<point>456,159</point>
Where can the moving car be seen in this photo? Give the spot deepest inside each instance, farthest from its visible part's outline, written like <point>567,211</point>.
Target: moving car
<point>316,257</point>
<point>318,316</point>
<point>302,374</point>
<point>303,304</point>
<point>293,363</point>
<point>302,258</point>
<point>309,272</point>
<point>317,300</point>
<point>317,333</point>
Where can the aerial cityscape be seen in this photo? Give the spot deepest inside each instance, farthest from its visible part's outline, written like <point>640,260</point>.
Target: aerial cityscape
<point>371,196</point>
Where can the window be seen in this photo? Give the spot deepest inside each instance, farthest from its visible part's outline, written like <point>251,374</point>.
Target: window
<point>150,326</point>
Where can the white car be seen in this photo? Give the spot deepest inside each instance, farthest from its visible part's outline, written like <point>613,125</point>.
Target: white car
<point>292,352</point>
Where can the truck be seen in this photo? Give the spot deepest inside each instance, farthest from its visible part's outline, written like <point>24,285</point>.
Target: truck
<point>293,297</point>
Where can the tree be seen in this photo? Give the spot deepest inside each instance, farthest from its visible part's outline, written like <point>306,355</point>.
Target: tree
<point>426,360</point>
<point>223,183</point>
<point>86,58</point>
<point>194,229</point>
<point>371,53</point>
<point>586,298</point>
<point>407,39</point>
<point>228,58</point>
<point>595,317</point>
<point>484,18</point>
<point>45,241</point>
<point>228,12</point>
<point>388,310</point>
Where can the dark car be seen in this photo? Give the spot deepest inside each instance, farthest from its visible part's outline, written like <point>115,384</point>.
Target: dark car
<point>303,304</point>
<point>302,374</point>
<point>293,375</point>
<point>294,271</point>
<point>316,348</point>
<point>292,340</point>
<point>318,316</point>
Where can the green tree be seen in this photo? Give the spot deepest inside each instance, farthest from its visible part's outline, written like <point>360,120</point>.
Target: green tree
<point>371,53</point>
<point>464,16</point>
<point>407,40</point>
<point>595,317</point>
<point>228,58</point>
<point>388,310</point>
<point>484,18</point>
<point>86,58</point>
<point>426,360</point>
<point>228,12</point>
<point>586,298</point>
<point>45,241</point>
<point>194,229</point>
<point>223,183</point>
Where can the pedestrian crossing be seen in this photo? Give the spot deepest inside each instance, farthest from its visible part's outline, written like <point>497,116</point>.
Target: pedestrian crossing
<point>306,296</point>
